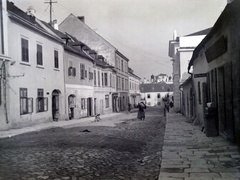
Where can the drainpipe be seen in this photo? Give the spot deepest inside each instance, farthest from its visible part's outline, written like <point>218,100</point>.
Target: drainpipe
<point>4,77</point>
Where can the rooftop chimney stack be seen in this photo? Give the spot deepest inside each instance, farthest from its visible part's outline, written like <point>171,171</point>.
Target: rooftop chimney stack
<point>55,24</point>
<point>82,18</point>
<point>31,11</point>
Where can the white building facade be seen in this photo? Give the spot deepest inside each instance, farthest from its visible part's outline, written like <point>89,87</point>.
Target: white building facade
<point>36,84</point>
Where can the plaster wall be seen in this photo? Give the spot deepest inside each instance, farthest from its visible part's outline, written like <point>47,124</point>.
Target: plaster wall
<point>32,76</point>
<point>190,41</point>
<point>200,66</point>
<point>85,34</point>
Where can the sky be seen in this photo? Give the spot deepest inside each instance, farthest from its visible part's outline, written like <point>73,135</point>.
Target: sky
<point>139,29</point>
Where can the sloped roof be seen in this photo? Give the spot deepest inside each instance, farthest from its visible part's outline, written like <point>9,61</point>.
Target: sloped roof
<point>31,22</point>
<point>30,18</point>
<point>132,74</point>
<point>162,74</point>
<point>202,32</point>
<point>156,87</point>
<point>76,51</point>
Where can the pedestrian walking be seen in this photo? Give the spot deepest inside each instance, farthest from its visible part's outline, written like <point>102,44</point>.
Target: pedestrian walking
<point>129,107</point>
<point>141,111</point>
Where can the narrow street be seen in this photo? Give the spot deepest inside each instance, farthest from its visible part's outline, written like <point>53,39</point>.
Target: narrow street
<point>129,150</point>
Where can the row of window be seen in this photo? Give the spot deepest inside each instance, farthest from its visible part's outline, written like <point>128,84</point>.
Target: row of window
<point>121,64</point>
<point>103,79</point>
<point>26,103</point>
<point>39,54</point>
<point>122,83</point>
<point>84,102</point>
<point>158,96</point>
<point>84,74</point>
<point>133,86</point>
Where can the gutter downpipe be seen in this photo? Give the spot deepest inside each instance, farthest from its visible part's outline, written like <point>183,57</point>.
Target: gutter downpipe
<point>4,89</point>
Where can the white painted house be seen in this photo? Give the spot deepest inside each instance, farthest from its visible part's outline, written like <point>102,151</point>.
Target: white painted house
<point>134,88</point>
<point>36,85</point>
<point>180,52</point>
<point>152,93</point>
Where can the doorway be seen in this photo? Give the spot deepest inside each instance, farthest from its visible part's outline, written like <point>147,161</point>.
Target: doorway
<point>89,106</point>
<point>55,104</point>
<point>71,105</point>
<point>225,101</point>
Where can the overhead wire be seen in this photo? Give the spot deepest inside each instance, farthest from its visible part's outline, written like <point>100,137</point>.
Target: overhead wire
<point>133,47</point>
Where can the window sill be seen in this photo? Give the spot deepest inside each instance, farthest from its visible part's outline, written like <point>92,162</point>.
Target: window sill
<point>25,63</point>
<point>40,67</point>
<point>55,69</point>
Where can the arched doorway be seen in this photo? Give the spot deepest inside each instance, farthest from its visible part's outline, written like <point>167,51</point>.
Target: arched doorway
<point>71,105</point>
<point>55,104</point>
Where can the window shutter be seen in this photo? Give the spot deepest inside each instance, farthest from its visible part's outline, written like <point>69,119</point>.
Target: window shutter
<point>69,71</point>
<point>30,105</point>
<point>37,107</point>
<point>74,71</point>
<point>45,104</point>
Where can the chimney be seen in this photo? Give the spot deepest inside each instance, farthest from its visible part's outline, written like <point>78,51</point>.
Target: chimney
<point>31,11</point>
<point>55,24</point>
<point>174,35</point>
<point>229,1</point>
<point>82,18</point>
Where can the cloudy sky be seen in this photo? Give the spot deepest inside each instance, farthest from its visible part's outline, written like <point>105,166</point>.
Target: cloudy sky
<point>139,29</point>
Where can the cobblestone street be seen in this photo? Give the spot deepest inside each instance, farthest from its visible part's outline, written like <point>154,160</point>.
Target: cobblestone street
<point>129,150</point>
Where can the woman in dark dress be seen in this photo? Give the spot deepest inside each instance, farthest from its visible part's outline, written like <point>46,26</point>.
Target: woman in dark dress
<point>141,112</point>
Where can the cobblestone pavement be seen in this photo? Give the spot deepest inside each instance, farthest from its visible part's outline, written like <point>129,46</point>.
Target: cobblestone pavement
<point>189,155</point>
<point>130,150</point>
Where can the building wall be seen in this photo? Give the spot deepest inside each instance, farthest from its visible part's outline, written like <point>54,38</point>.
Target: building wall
<point>185,57</point>
<point>187,104</point>
<point>226,70</point>
<point>80,92</point>
<point>85,34</point>
<point>102,92</point>
<point>176,83</point>
<point>154,98</point>
<point>190,41</point>
<point>134,90</point>
<point>122,81</point>
<point>181,52</point>
<point>200,66</point>
<point>32,76</point>
<point>80,89</point>
<point>221,48</point>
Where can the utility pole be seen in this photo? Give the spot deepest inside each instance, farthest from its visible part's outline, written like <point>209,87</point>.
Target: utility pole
<point>50,2</point>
